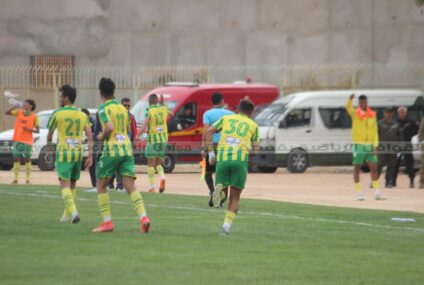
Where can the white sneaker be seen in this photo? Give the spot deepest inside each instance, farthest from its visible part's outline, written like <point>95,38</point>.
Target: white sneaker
<point>360,196</point>
<point>64,219</point>
<point>121,190</point>
<point>225,232</point>
<point>379,196</point>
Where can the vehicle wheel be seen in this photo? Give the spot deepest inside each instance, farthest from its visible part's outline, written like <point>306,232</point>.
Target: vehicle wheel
<point>168,163</point>
<point>267,169</point>
<point>253,168</point>
<point>46,159</point>
<point>6,166</point>
<point>297,161</point>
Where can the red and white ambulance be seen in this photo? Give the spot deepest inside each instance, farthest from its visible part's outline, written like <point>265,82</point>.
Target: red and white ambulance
<point>188,102</point>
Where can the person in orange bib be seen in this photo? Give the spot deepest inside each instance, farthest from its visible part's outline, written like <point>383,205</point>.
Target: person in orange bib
<point>25,125</point>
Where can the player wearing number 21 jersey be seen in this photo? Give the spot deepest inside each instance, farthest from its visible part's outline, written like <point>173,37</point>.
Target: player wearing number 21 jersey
<point>70,123</point>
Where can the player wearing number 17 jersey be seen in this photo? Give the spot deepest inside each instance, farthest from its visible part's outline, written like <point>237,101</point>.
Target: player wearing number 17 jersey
<point>117,156</point>
<point>157,139</point>
<point>70,123</point>
<point>238,132</point>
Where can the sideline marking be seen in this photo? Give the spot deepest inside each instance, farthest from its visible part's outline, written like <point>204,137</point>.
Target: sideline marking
<point>265,214</point>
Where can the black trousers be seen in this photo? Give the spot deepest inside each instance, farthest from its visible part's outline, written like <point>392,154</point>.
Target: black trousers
<point>389,160</point>
<point>409,164</point>
<point>92,169</point>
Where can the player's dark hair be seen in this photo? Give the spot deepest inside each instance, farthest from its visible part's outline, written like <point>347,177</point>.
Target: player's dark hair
<point>69,92</point>
<point>246,107</point>
<point>107,87</point>
<point>126,99</point>
<point>363,97</point>
<point>216,98</point>
<point>85,111</point>
<point>32,103</point>
<point>153,99</point>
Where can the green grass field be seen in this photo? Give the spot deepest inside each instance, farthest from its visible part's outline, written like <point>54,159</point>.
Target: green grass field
<point>270,243</point>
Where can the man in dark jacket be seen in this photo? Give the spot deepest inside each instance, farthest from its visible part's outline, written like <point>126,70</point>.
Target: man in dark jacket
<point>388,133</point>
<point>407,129</point>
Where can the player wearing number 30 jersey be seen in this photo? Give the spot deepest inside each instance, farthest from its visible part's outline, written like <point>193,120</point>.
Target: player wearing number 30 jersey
<point>70,123</point>
<point>238,132</point>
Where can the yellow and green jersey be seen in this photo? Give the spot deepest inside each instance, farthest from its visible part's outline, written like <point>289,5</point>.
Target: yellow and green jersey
<point>70,123</point>
<point>237,133</point>
<point>118,143</point>
<point>157,129</point>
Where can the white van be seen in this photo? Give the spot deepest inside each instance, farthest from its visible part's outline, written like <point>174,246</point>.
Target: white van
<point>313,128</point>
<point>40,156</point>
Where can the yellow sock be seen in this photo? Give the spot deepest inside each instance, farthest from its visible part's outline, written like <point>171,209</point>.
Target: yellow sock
<point>74,195</point>
<point>28,170</point>
<point>358,187</point>
<point>161,172</point>
<point>16,169</point>
<point>375,184</point>
<point>229,218</point>
<point>138,204</point>
<point>68,200</point>
<point>104,206</point>
<point>151,175</point>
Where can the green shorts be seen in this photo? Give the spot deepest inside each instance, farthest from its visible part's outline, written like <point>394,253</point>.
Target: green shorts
<point>68,171</point>
<point>107,166</point>
<point>363,153</point>
<point>231,173</point>
<point>155,150</point>
<point>22,150</point>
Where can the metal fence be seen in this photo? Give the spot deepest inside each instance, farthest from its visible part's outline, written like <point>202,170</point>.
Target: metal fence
<point>42,82</point>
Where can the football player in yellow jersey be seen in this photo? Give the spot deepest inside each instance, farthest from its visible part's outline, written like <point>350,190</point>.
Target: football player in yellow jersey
<point>117,156</point>
<point>157,139</point>
<point>70,123</point>
<point>238,132</point>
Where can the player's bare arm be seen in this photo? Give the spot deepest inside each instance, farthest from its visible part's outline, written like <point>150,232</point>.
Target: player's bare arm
<point>203,147</point>
<point>255,147</point>
<point>89,136</point>
<point>36,129</point>
<point>50,136</point>
<point>209,133</point>
<point>108,129</point>
<point>9,112</point>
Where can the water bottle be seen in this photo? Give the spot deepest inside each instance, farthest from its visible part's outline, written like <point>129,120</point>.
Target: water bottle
<point>403,220</point>
<point>16,103</point>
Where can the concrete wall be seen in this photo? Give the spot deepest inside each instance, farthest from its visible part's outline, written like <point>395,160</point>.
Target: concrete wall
<point>215,32</point>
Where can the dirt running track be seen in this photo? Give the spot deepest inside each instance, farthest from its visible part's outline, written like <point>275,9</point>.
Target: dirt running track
<point>319,186</point>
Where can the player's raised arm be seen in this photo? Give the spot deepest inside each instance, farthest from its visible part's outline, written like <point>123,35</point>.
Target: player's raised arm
<point>10,111</point>
<point>349,105</point>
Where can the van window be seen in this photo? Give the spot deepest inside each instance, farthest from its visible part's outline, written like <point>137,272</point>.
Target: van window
<point>335,118</point>
<point>43,120</point>
<point>298,118</point>
<point>269,115</point>
<point>187,115</point>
